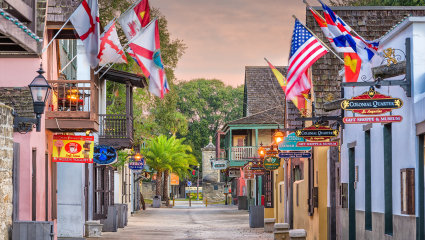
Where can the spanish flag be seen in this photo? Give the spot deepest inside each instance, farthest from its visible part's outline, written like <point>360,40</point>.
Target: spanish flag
<point>300,101</point>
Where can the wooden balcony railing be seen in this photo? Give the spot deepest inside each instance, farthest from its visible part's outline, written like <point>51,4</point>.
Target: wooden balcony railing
<point>73,106</point>
<point>73,99</point>
<point>115,126</point>
<point>243,153</point>
<point>116,130</point>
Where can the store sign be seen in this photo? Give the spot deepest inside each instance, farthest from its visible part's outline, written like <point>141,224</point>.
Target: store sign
<point>271,153</point>
<point>257,167</point>
<point>295,155</point>
<point>316,133</point>
<point>290,143</point>
<point>271,163</point>
<point>234,173</point>
<point>174,179</point>
<point>318,144</point>
<point>74,149</point>
<point>219,165</point>
<point>104,155</point>
<point>136,165</point>
<point>371,103</point>
<point>373,119</point>
<point>247,172</point>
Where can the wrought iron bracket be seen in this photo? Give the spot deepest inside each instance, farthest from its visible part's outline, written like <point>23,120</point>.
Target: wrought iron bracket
<point>406,83</point>
<point>24,124</point>
<point>321,119</point>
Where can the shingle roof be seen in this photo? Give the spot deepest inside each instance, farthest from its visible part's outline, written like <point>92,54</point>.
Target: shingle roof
<point>369,22</point>
<point>273,115</point>
<point>59,11</point>
<point>19,98</point>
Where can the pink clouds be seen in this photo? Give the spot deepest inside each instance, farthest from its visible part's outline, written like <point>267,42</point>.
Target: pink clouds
<point>224,36</point>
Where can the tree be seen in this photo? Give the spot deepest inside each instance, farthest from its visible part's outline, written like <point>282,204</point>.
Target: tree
<point>377,2</point>
<point>207,104</point>
<point>166,155</point>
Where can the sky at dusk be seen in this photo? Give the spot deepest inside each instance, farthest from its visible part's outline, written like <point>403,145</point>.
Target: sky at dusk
<point>224,36</point>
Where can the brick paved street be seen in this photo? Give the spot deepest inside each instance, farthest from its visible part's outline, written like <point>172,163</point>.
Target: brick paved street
<point>182,222</point>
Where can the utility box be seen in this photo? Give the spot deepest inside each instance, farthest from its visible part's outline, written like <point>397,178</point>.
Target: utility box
<point>156,202</point>
<point>256,216</point>
<point>29,230</point>
<point>110,224</point>
<point>122,215</point>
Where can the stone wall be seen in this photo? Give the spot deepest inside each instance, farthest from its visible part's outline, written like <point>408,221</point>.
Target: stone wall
<point>214,192</point>
<point>148,190</point>
<point>6,166</point>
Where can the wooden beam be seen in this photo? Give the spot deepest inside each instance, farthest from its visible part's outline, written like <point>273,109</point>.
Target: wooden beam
<point>67,115</point>
<point>18,36</point>
<point>22,9</point>
<point>71,125</point>
<point>394,70</point>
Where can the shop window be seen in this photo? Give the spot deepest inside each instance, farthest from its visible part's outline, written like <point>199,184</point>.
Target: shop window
<point>407,176</point>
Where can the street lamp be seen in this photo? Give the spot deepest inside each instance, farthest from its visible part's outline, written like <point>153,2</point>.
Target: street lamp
<point>39,89</point>
<point>137,157</point>
<point>278,137</point>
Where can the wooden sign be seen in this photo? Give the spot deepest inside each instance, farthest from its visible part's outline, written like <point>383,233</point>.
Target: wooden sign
<point>316,133</point>
<point>271,163</point>
<point>372,119</point>
<point>371,103</point>
<point>256,167</point>
<point>271,153</point>
<point>247,172</point>
<point>317,144</point>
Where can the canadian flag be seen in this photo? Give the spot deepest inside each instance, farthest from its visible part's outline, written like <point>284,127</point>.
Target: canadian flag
<point>135,19</point>
<point>85,20</point>
<point>146,50</point>
<point>110,46</point>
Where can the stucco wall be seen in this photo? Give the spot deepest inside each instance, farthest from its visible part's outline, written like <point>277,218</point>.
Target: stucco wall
<point>6,166</point>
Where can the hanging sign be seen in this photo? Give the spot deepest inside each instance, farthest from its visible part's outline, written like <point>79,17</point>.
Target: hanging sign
<point>318,144</point>
<point>104,155</point>
<point>271,153</point>
<point>373,119</point>
<point>371,103</point>
<point>247,172</point>
<point>290,143</point>
<point>234,173</point>
<point>219,164</point>
<point>136,165</point>
<point>257,167</point>
<point>271,163</point>
<point>316,133</point>
<point>75,149</point>
<point>295,155</point>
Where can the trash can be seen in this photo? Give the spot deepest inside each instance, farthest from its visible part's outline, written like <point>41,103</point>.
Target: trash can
<point>156,202</point>
<point>256,216</point>
<point>242,203</point>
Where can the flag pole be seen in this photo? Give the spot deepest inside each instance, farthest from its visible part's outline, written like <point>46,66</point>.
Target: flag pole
<point>336,55</point>
<point>45,48</point>
<point>69,63</point>
<point>122,49</point>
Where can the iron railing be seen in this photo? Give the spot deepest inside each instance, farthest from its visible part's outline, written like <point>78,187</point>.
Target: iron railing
<point>115,126</point>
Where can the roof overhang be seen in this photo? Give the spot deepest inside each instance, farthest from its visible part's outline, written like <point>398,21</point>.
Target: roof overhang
<point>124,77</point>
<point>14,41</point>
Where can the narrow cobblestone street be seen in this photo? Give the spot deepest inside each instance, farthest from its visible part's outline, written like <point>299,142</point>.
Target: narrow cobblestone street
<point>182,222</point>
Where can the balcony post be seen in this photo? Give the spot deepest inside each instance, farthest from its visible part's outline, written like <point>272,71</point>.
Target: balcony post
<point>230,144</point>
<point>256,137</point>
<point>129,109</point>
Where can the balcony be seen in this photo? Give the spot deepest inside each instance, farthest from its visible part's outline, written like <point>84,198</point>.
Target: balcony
<point>116,130</point>
<point>73,107</point>
<point>243,153</point>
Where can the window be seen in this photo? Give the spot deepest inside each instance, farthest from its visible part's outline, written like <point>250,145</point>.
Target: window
<point>407,177</point>
<point>103,190</point>
<point>268,189</point>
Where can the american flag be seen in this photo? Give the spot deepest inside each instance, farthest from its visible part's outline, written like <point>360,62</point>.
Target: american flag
<point>305,50</point>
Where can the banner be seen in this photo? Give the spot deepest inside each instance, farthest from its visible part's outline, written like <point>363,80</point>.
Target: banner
<point>174,179</point>
<point>75,149</point>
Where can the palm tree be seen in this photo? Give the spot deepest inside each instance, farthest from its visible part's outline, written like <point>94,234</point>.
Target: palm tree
<point>166,155</point>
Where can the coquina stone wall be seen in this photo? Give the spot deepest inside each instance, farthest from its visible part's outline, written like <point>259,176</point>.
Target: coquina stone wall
<point>148,190</point>
<point>6,166</point>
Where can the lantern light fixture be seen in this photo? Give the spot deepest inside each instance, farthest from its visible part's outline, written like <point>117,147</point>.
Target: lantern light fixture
<point>278,137</point>
<point>261,151</point>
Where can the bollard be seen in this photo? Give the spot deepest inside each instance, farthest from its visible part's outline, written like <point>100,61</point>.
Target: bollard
<point>174,202</point>
<point>281,231</point>
<point>206,202</point>
<point>269,224</point>
<point>297,234</point>
<point>190,202</point>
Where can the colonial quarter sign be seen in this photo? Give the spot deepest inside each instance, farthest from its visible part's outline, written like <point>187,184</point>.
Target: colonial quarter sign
<point>371,103</point>
<point>317,133</point>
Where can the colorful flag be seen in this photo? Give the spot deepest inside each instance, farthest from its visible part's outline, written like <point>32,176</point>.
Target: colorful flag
<point>135,19</point>
<point>352,64</point>
<point>279,76</point>
<point>85,20</point>
<point>110,46</point>
<point>146,50</point>
<point>305,50</point>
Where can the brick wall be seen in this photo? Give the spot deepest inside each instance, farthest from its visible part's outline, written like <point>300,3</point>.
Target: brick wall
<point>6,166</point>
